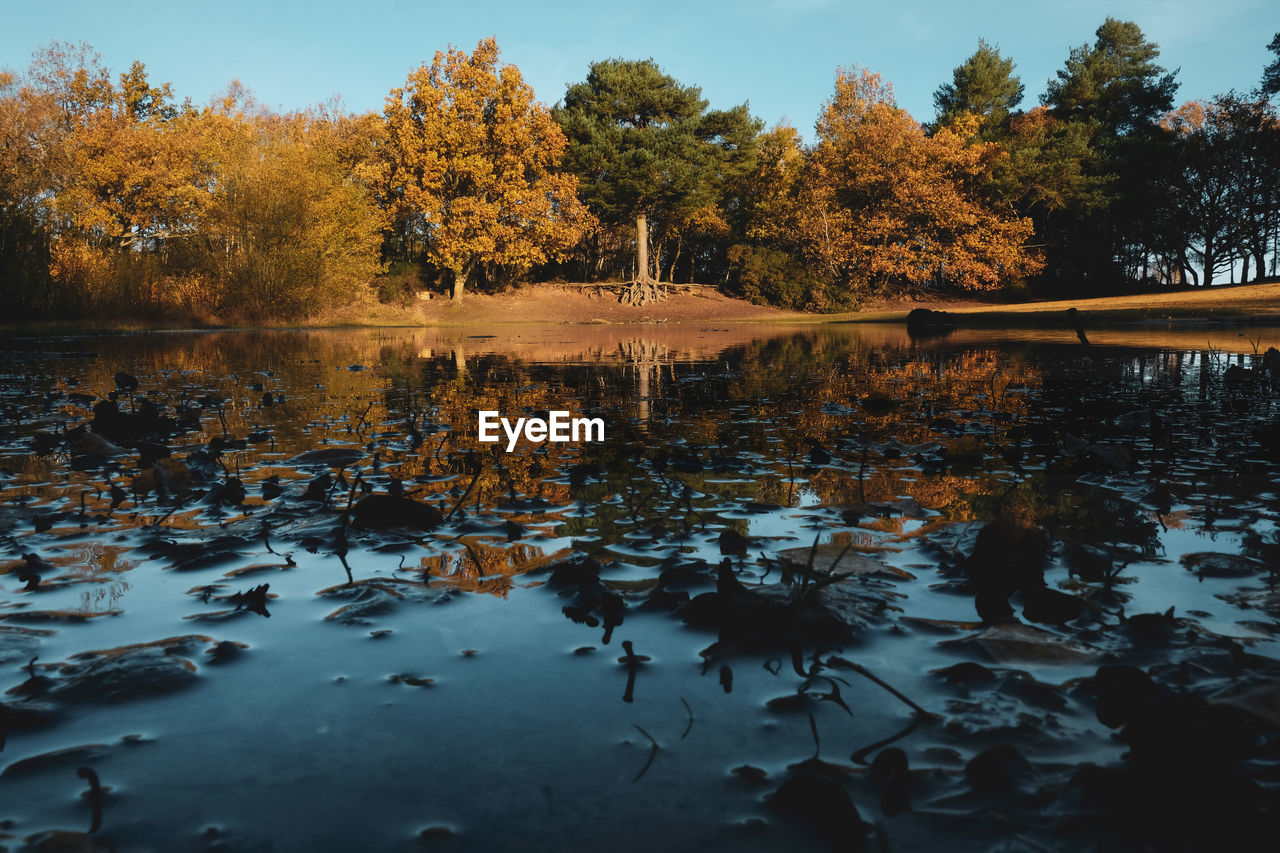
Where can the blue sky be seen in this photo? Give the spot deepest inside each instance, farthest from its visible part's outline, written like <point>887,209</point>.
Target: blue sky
<point>781,55</point>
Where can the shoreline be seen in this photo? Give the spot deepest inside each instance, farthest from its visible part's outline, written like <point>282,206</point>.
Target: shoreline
<point>548,305</point>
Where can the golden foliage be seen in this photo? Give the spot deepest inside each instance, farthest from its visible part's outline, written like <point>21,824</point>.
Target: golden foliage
<point>118,200</point>
<point>472,160</point>
<point>288,226</point>
<point>883,202</point>
<point>79,266</point>
<point>128,180</point>
<point>147,207</point>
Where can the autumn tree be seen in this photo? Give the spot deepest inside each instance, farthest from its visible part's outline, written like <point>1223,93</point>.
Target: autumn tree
<point>646,147</point>
<point>24,232</point>
<point>106,171</point>
<point>132,176</point>
<point>291,224</point>
<point>472,166</point>
<point>768,264</point>
<point>130,204</point>
<point>890,204</point>
<point>984,86</point>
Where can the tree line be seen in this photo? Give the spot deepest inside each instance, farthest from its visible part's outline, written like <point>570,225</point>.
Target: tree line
<point>115,200</point>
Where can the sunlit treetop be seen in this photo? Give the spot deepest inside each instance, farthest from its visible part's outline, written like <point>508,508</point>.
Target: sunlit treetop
<point>984,86</point>
<point>1115,83</point>
<point>472,159</point>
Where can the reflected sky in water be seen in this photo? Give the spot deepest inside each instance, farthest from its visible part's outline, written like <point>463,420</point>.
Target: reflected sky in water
<point>281,576</point>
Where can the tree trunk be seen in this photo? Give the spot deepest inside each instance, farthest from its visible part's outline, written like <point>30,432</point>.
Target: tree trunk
<point>1188,271</point>
<point>671,270</point>
<point>642,248</point>
<point>460,280</point>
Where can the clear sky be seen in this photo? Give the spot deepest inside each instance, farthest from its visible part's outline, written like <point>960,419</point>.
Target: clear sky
<point>781,55</point>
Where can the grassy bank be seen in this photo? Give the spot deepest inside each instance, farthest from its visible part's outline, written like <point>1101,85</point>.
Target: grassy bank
<point>549,305</point>
<point>1253,303</point>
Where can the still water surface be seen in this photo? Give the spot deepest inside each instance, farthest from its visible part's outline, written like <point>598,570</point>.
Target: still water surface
<point>278,596</point>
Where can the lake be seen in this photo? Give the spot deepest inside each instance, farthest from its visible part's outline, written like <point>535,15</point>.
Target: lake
<point>819,587</point>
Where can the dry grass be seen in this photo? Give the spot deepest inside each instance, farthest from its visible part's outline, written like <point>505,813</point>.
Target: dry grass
<point>1250,301</point>
<point>1242,299</point>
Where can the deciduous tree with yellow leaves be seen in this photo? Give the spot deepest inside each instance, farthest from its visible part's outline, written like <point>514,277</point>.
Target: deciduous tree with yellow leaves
<point>290,225</point>
<point>471,164</point>
<point>885,203</point>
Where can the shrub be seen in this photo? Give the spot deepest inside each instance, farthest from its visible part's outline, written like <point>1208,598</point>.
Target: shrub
<point>769,276</point>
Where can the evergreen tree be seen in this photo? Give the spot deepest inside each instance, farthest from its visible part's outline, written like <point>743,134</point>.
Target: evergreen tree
<point>1116,92</point>
<point>1116,83</point>
<point>983,86</point>
<point>1271,74</point>
<point>642,144</point>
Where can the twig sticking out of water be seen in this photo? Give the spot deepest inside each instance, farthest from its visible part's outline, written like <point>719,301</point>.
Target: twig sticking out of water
<point>352,492</point>
<point>833,696</point>
<point>362,422</point>
<point>471,552</point>
<point>869,675</point>
<point>479,470</point>
<point>653,753</point>
<point>860,757</point>
<point>791,478</point>
<point>633,662</point>
<point>94,796</point>
<point>862,471</point>
<point>689,727</point>
<point>1074,316</point>
<point>177,506</point>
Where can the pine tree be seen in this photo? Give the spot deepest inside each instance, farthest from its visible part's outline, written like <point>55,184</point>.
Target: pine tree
<point>644,145</point>
<point>1115,92</point>
<point>1271,74</point>
<point>1116,83</point>
<point>984,86</point>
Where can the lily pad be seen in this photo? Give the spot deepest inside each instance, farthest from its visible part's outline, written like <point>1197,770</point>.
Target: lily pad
<point>329,457</point>
<point>1207,564</point>
<point>126,672</point>
<point>19,644</point>
<point>1012,642</point>
<point>372,598</point>
<point>837,560</point>
<point>69,757</point>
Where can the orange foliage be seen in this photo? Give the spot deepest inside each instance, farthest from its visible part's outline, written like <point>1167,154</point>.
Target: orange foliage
<point>473,156</point>
<point>885,203</point>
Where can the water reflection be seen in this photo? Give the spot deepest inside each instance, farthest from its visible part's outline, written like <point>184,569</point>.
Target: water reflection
<point>940,544</point>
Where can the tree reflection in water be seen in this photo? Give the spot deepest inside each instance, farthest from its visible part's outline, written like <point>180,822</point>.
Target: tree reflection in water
<point>955,556</point>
